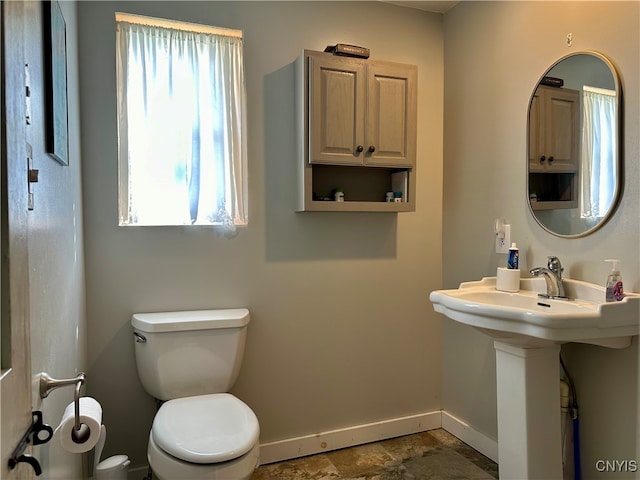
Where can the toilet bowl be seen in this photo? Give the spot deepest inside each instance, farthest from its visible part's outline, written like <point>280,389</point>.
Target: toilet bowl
<point>166,467</point>
<point>190,360</point>
<point>204,437</point>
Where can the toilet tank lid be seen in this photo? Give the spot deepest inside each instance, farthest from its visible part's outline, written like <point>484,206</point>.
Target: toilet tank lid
<point>190,320</point>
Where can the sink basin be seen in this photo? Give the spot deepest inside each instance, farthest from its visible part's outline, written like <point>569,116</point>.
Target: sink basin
<point>526,319</point>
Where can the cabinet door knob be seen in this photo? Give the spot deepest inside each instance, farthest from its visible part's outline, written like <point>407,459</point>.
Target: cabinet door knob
<point>550,160</point>
<point>359,148</point>
<point>372,149</point>
<point>542,159</point>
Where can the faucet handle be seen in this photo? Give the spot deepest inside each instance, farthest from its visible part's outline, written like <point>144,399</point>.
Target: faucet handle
<point>553,264</point>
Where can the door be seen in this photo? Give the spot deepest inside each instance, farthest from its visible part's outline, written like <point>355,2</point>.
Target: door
<point>15,377</point>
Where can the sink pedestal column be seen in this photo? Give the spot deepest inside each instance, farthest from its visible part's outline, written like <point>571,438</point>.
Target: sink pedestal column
<point>529,428</point>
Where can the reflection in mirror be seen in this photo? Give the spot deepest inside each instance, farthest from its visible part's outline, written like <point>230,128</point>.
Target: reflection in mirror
<point>574,165</point>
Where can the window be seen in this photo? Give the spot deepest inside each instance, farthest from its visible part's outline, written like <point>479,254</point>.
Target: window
<point>181,123</point>
<point>599,146</point>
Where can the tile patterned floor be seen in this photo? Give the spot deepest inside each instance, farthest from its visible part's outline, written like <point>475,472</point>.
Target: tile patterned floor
<point>433,455</point>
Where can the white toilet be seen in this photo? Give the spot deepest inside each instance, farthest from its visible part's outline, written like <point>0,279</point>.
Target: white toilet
<point>190,360</point>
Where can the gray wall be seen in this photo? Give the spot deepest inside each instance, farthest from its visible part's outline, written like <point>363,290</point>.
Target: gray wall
<point>342,332</point>
<point>56,252</point>
<point>495,52</point>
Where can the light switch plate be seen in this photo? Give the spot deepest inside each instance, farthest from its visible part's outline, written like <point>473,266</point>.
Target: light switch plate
<point>503,244</point>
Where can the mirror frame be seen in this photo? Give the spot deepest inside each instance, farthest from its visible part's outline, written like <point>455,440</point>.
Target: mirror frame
<point>617,195</point>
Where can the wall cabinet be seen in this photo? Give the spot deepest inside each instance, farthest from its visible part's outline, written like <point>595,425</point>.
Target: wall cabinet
<point>358,123</point>
<point>554,136</point>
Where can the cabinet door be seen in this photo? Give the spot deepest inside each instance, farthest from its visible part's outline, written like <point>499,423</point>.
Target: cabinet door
<point>391,115</point>
<point>336,110</point>
<point>561,133</point>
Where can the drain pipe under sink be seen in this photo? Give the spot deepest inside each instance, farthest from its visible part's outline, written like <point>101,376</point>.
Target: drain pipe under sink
<point>566,431</point>
<point>569,410</point>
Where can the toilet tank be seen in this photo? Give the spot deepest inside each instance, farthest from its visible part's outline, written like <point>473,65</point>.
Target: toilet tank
<point>181,354</point>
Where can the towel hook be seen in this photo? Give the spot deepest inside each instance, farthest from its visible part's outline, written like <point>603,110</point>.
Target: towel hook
<point>38,434</point>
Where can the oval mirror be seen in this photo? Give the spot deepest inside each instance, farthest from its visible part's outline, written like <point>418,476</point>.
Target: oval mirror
<point>574,165</point>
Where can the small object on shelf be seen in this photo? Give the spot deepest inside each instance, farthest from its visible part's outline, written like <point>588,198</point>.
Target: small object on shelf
<point>321,198</point>
<point>389,197</point>
<point>397,197</point>
<point>338,195</point>
<point>348,50</point>
<point>552,82</point>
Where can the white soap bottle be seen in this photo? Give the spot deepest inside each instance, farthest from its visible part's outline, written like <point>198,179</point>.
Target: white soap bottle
<point>614,290</point>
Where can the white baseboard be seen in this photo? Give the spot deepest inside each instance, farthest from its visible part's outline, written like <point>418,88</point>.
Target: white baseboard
<point>472,437</point>
<point>371,432</point>
<point>348,437</point>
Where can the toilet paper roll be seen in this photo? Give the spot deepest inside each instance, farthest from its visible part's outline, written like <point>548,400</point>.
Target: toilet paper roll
<point>508,279</point>
<point>87,437</point>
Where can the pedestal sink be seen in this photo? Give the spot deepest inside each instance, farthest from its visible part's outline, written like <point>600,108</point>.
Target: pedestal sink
<point>527,330</point>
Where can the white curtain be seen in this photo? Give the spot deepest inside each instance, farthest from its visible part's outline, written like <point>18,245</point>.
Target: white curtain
<point>181,127</point>
<point>599,149</point>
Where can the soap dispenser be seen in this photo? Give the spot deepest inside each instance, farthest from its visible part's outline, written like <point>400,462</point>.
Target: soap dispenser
<point>614,290</point>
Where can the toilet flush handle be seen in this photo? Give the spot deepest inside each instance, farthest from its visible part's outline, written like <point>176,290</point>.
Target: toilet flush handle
<point>139,338</point>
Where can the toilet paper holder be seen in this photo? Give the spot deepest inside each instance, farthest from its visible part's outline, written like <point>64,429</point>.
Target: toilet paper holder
<point>38,432</point>
<point>48,383</point>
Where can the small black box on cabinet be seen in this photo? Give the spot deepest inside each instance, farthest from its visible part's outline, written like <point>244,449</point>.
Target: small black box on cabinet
<point>348,50</point>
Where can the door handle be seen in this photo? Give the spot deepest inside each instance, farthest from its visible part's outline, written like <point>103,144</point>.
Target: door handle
<point>26,458</point>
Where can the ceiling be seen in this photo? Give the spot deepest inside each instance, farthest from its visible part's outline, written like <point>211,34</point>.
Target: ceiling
<point>438,7</point>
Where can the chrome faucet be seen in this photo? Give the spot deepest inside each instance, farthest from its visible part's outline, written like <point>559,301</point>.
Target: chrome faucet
<point>553,277</point>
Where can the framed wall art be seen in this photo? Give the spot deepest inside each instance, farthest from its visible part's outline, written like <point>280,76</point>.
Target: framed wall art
<point>55,69</point>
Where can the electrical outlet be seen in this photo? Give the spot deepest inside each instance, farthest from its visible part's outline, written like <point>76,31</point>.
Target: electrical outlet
<point>503,244</point>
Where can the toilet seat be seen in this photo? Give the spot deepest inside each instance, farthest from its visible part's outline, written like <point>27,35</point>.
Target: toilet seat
<point>205,429</point>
